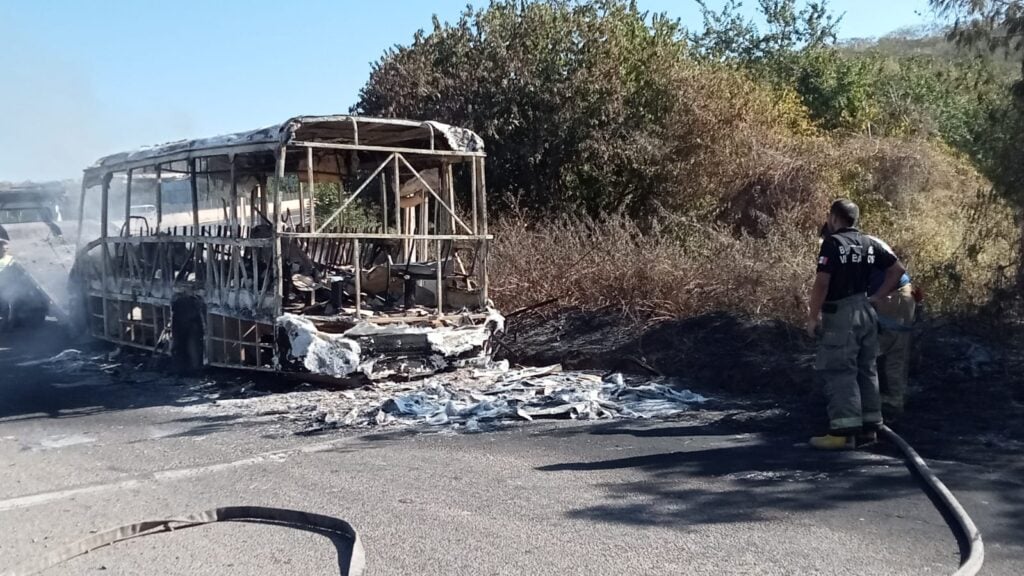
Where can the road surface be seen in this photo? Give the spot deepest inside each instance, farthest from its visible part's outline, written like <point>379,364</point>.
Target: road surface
<point>719,491</point>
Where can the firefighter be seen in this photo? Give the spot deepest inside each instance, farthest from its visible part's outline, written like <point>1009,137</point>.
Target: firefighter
<point>896,311</point>
<point>841,310</point>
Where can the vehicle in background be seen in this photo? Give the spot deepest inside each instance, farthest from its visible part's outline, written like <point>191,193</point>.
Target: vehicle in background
<point>33,282</point>
<point>31,210</point>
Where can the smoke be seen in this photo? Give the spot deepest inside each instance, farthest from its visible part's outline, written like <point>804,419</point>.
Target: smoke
<point>45,258</point>
<point>55,122</point>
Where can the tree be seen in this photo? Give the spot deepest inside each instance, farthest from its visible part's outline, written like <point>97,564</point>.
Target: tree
<point>995,24</point>
<point>727,35</point>
<point>999,26</point>
<point>592,106</point>
<point>567,94</point>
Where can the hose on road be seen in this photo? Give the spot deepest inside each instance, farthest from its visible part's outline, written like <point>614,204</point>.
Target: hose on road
<point>351,558</point>
<point>972,557</point>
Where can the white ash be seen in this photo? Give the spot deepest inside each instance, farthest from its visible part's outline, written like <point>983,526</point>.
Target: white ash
<point>469,398</point>
<point>320,352</point>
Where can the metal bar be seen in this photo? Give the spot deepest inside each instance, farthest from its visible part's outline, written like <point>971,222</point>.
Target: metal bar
<point>483,199</point>
<point>312,188</point>
<point>473,191</point>
<point>431,190</point>
<point>81,218</point>
<point>277,264</point>
<point>131,298</point>
<point>411,151</point>
<point>194,187</point>
<point>159,199</point>
<point>431,128</point>
<point>235,256</point>
<point>128,204</point>
<point>357,262</point>
<point>234,197</point>
<point>91,174</point>
<point>197,247</point>
<point>368,236</point>
<point>383,198</point>
<point>341,183</point>
<point>105,252</point>
<point>162,239</point>
<point>440,279</point>
<point>355,130</point>
<point>200,171</point>
<point>450,182</point>
<point>486,283</point>
<point>424,210</point>
<point>396,184</point>
<point>255,288</point>
<point>259,368</point>
<point>354,194</point>
<point>210,279</point>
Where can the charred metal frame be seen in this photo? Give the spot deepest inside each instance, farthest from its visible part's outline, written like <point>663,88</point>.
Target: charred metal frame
<point>131,288</point>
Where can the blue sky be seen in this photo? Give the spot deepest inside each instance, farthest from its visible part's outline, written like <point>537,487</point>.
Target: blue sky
<point>81,79</point>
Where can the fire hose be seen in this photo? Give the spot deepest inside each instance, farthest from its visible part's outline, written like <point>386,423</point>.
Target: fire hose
<point>351,558</point>
<point>972,553</point>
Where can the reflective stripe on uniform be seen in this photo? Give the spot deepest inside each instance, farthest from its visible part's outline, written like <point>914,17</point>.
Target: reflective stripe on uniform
<point>845,423</point>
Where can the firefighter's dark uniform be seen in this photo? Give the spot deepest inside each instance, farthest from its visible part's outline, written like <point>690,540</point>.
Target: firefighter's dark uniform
<point>849,342</point>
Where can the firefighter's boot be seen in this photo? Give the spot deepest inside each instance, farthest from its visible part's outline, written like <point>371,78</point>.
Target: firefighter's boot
<point>830,442</point>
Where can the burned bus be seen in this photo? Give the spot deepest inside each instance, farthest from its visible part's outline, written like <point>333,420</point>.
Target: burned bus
<point>335,246</point>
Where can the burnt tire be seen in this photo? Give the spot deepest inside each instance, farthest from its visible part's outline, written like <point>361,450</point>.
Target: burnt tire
<point>187,334</point>
<point>78,309</point>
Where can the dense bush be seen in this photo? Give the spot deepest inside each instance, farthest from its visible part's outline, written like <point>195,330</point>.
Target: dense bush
<point>632,164</point>
<point>958,239</point>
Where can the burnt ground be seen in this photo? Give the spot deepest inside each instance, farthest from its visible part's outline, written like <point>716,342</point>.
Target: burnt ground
<point>967,376</point>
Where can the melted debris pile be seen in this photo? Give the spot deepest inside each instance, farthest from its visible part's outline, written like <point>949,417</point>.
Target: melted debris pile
<point>472,399</point>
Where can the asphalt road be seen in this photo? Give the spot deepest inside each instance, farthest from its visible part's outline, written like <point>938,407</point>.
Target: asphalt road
<point>719,491</point>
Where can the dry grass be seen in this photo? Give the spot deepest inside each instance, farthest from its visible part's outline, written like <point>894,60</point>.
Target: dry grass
<point>958,239</point>
<point>674,268</point>
<point>736,184</point>
<point>756,255</point>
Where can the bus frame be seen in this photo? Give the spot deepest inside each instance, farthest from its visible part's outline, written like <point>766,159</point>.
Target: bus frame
<point>269,288</point>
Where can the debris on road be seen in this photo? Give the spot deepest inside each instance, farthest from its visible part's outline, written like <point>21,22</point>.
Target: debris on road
<point>72,362</point>
<point>470,398</point>
<point>475,394</point>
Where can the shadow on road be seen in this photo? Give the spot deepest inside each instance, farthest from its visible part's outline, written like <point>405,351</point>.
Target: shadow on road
<point>770,476</point>
<point>34,385</point>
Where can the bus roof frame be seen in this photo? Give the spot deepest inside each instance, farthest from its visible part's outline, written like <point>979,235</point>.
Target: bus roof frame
<point>342,132</point>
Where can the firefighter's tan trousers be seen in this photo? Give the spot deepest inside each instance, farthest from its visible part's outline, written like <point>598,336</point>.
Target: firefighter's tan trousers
<point>846,360</point>
<point>894,347</point>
